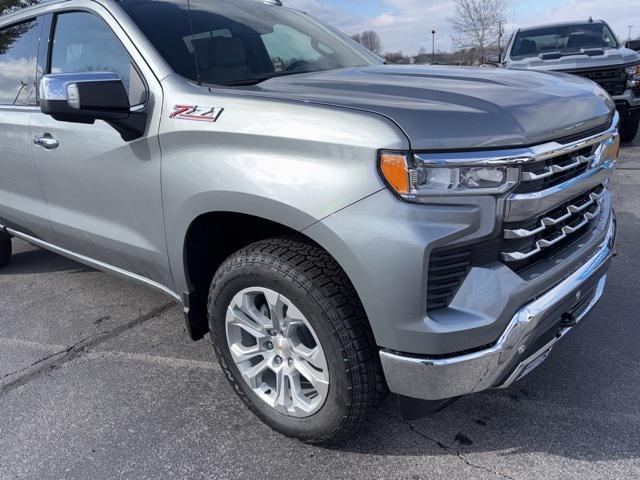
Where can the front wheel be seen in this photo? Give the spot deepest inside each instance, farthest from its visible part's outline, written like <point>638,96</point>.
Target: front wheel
<point>293,340</point>
<point>629,127</point>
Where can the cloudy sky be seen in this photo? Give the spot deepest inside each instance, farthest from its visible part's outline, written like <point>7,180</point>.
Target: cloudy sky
<point>406,24</point>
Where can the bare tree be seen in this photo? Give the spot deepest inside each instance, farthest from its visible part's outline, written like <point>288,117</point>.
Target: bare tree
<point>369,39</point>
<point>7,6</point>
<point>477,24</point>
<point>395,57</point>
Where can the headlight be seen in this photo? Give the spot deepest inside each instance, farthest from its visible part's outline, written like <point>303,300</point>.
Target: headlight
<point>633,76</point>
<point>413,177</point>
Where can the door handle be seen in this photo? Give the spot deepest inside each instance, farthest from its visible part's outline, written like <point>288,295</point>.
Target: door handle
<point>46,141</point>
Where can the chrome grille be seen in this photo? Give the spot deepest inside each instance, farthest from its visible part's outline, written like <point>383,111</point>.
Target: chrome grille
<point>560,227</point>
<point>547,173</point>
<point>559,200</point>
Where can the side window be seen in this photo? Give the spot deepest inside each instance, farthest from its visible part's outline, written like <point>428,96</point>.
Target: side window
<point>18,52</point>
<point>84,43</point>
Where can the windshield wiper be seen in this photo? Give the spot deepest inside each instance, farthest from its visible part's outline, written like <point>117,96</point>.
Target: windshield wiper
<point>255,80</point>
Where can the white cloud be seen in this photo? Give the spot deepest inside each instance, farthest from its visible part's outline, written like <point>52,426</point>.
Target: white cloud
<point>331,14</point>
<point>402,24</point>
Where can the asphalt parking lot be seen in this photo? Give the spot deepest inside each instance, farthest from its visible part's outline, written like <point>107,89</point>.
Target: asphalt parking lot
<point>98,380</point>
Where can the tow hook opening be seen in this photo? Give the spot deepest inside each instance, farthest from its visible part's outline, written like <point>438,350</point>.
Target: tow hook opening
<point>568,320</point>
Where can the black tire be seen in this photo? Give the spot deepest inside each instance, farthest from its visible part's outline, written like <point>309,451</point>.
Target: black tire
<point>314,282</point>
<point>5,249</point>
<point>629,127</point>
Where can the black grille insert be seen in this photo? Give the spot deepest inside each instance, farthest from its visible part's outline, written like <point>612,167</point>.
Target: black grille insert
<point>448,268</point>
<point>613,80</point>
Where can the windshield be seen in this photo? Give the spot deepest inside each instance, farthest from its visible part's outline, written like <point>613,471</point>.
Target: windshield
<point>242,42</point>
<point>564,40</point>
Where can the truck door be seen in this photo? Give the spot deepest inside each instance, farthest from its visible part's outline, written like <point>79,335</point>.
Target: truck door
<point>22,202</point>
<point>104,193</point>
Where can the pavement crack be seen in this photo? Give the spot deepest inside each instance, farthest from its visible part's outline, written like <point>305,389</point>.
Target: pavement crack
<point>456,451</point>
<point>37,362</point>
<point>482,467</point>
<point>440,444</point>
<point>57,359</point>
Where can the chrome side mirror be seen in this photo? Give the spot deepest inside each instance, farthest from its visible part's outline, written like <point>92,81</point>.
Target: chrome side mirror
<point>90,96</point>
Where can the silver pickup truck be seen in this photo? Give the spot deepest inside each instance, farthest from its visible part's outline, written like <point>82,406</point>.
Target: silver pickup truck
<point>589,49</point>
<point>341,227</point>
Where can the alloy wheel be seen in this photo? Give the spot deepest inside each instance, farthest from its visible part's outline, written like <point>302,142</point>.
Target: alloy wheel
<point>277,352</point>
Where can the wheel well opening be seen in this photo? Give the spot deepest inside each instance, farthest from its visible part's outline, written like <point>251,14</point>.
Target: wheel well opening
<point>211,239</point>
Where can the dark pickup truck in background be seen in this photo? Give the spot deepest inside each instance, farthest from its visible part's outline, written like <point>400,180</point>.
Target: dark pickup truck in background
<point>589,49</point>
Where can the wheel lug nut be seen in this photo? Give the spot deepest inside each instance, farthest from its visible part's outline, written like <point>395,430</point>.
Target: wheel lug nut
<point>278,360</point>
<point>269,345</point>
<point>290,362</point>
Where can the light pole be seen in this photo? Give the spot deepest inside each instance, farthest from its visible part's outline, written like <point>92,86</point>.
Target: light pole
<point>629,27</point>
<point>433,46</point>
<point>500,33</point>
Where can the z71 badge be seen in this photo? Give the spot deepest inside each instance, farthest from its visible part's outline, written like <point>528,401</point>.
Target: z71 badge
<point>196,113</point>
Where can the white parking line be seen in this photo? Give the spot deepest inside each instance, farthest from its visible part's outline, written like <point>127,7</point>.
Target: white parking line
<point>170,362</point>
<point>158,360</point>
<point>14,342</point>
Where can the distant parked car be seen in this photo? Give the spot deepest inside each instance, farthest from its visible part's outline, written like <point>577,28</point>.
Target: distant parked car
<point>633,45</point>
<point>589,49</point>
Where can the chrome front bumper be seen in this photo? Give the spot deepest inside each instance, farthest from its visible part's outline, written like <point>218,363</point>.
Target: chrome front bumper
<point>510,358</point>
<point>629,97</point>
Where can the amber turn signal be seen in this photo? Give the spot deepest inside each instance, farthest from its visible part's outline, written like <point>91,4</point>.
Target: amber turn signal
<point>395,171</point>
<point>613,149</point>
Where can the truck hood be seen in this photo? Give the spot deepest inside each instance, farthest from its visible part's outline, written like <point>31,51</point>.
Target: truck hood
<point>611,58</point>
<point>456,107</point>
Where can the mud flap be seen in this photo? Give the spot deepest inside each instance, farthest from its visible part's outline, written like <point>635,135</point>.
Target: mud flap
<point>195,316</point>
